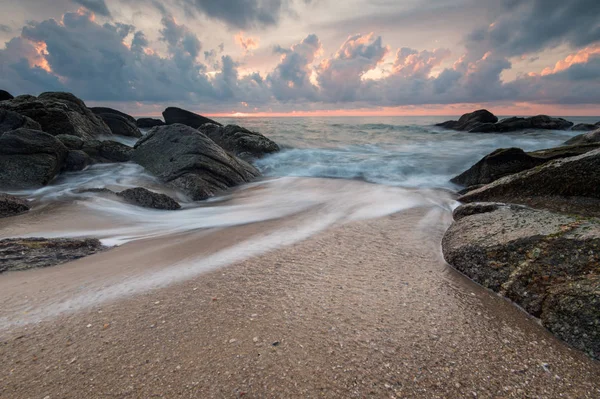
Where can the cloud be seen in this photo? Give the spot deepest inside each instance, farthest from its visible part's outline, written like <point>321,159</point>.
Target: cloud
<point>246,43</point>
<point>5,28</point>
<point>96,6</point>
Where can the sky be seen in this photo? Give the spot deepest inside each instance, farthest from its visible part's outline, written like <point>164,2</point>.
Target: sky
<point>308,57</point>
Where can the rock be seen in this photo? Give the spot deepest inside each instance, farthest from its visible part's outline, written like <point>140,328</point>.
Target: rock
<point>10,120</point>
<point>71,142</point>
<point>108,151</point>
<point>76,161</point>
<point>29,158</point>
<point>188,160</point>
<point>145,198</point>
<point>476,208</point>
<point>147,123</point>
<point>119,123</point>
<point>4,95</point>
<point>470,120</point>
<point>507,161</point>
<point>11,205</point>
<point>28,253</point>
<point>572,312</point>
<point>586,138</point>
<point>584,127</point>
<point>59,113</point>
<point>239,141</point>
<point>549,185</point>
<point>177,115</point>
<point>534,258</point>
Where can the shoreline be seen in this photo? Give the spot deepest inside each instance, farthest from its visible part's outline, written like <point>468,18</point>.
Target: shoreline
<point>368,308</point>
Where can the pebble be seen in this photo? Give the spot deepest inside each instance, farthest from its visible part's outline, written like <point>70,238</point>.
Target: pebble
<point>232,340</point>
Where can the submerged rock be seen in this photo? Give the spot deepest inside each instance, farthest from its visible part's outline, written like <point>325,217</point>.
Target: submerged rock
<point>76,161</point>
<point>108,151</point>
<point>547,263</point>
<point>145,198</point>
<point>240,141</point>
<point>29,253</point>
<point>10,120</point>
<point>586,138</point>
<point>29,158</point>
<point>177,115</point>
<point>147,123</point>
<point>4,95</point>
<point>190,161</point>
<point>59,113</point>
<point>118,122</point>
<point>11,205</point>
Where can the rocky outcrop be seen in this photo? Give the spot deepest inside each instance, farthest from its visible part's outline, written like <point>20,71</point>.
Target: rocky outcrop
<point>470,120</point>
<point>148,123</point>
<point>11,205</point>
<point>71,142</point>
<point>190,161</point>
<point>29,158</point>
<point>483,121</point>
<point>548,185</point>
<point>107,151</point>
<point>507,161</point>
<point>10,120</point>
<point>547,263</point>
<point>28,253</point>
<point>76,161</point>
<point>145,198</point>
<point>585,127</point>
<point>4,95</point>
<point>586,138</point>
<point>118,122</point>
<point>59,113</point>
<point>177,115</point>
<point>239,141</point>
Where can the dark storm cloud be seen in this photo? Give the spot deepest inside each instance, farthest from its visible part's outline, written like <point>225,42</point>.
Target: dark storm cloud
<point>97,6</point>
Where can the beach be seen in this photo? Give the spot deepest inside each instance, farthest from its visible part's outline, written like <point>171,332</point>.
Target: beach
<point>361,309</point>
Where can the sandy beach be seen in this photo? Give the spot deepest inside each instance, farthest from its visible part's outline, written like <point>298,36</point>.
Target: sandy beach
<point>365,309</point>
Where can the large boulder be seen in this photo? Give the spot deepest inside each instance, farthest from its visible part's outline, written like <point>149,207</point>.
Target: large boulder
<point>507,161</point>
<point>190,161</point>
<point>11,205</point>
<point>4,95</point>
<point>119,123</point>
<point>59,113</point>
<point>586,138</point>
<point>28,253</point>
<point>148,123</point>
<point>573,181</point>
<point>10,120</point>
<point>547,263</point>
<point>145,198</point>
<point>107,151</point>
<point>240,141</point>
<point>470,120</point>
<point>177,115</point>
<point>584,127</point>
<point>29,158</point>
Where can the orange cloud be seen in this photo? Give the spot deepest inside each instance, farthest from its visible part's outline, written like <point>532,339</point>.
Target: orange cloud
<point>580,57</point>
<point>246,43</point>
<point>39,60</point>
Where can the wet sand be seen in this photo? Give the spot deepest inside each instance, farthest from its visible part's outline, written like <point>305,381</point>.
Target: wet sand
<point>365,309</point>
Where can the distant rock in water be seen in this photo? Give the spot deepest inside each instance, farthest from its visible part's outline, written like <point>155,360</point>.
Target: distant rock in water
<point>119,123</point>
<point>177,115</point>
<point>547,263</point>
<point>107,151</point>
<point>586,138</point>
<point>29,158</point>
<point>59,113</point>
<point>10,120</point>
<point>240,141</point>
<point>507,161</point>
<point>28,253</point>
<point>567,181</point>
<point>4,95</point>
<point>145,198</point>
<point>190,161</point>
<point>585,127</point>
<point>148,123</point>
<point>11,205</point>
<point>483,121</point>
